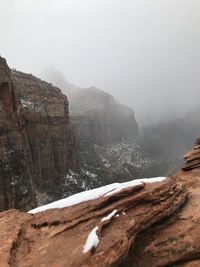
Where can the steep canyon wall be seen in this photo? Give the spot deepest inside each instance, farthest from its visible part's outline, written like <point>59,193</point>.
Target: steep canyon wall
<point>37,146</point>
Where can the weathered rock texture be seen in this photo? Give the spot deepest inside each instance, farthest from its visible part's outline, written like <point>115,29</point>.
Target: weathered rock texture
<point>192,158</point>
<point>158,225</point>
<point>57,237</point>
<point>37,146</point>
<point>16,188</point>
<point>176,241</point>
<point>44,119</point>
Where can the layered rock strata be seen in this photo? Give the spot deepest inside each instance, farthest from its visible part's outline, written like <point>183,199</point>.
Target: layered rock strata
<point>57,237</point>
<point>16,188</point>
<point>192,158</point>
<point>44,119</point>
<point>174,242</point>
<point>37,147</point>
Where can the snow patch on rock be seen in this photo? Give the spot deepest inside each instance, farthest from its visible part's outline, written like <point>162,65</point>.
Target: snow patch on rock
<point>109,216</point>
<point>92,241</point>
<point>94,193</point>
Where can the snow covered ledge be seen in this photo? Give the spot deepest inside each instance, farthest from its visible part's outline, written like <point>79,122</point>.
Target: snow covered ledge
<point>95,193</point>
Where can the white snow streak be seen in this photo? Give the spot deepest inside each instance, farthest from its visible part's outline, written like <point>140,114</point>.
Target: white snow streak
<point>92,240</point>
<point>94,193</point>
<point>134,183</point>
<point>109,216</point>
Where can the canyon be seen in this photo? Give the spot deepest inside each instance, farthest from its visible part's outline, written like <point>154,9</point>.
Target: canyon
<point>53,146</point>
<point>106,132</point>
<point>50,151</point>
<point>147,224</point>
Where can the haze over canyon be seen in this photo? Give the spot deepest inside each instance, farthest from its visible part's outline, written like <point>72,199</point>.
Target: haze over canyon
<point>99,133</point>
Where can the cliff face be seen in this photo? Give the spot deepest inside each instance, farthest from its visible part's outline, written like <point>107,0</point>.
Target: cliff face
<point>37,145</point>
<point>96,115</point>
<point>106,132</point>
<point>153,224</point>
<point>99,119</point>
<point>16,188</point>
<point>44,119</point>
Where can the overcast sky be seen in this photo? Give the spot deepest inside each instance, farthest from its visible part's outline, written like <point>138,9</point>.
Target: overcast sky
<point>144,52</point>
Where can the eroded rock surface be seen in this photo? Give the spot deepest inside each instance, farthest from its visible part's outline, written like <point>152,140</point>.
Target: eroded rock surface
<point>176,241</point>
<point>57,237</point>
<point>192,158</point>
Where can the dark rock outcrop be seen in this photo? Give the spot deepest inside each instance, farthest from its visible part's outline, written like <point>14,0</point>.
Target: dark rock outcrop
<point>44,119</point>
<point>16,189</point>
<point>37,146</point>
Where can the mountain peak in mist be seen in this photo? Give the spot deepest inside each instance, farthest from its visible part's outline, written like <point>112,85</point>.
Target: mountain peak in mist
<point>54,75</point>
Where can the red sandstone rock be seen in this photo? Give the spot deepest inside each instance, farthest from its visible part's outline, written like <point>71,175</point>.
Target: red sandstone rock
<point>176,241</point>
<point>192,158</point>
<point>57,237</point>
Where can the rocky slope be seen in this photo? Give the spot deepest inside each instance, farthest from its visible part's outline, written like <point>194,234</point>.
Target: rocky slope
<point>37,146</point>
<point>154,224</point>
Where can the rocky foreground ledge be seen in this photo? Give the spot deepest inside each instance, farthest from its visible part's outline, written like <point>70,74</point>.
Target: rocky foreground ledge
<point>147,224</point>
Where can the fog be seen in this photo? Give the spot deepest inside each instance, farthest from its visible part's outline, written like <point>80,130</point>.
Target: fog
<point>144,52</point>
